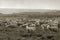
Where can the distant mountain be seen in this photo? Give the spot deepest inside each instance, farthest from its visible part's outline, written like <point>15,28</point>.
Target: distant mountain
<point>10,11</point>
<point>29,13</point>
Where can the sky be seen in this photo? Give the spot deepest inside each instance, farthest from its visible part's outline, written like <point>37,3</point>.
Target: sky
<point>29,4</point>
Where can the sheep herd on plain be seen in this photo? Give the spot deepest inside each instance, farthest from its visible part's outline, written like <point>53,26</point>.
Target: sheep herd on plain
<point>31,24</point>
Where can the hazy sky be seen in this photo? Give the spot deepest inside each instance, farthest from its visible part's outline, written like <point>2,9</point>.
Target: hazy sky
<point>30,4</point>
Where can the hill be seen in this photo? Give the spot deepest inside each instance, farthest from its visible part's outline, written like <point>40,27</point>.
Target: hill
<point>29,13</point>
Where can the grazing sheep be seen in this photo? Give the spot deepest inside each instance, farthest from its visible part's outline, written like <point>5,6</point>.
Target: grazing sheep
<point>45,26</point>
<point>11,26</point>
<point>31,28</point>
<point>53,29</point>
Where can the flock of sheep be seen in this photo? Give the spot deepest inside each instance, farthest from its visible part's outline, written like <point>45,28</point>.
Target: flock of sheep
<point>31,24</point>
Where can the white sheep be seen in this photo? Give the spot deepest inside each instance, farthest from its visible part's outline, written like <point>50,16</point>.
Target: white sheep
<point>31,28</point>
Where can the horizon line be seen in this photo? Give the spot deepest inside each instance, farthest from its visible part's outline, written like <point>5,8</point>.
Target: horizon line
<point>30,8</point>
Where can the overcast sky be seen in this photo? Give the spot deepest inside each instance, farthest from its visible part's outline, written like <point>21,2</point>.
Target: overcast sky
<point>30,4</point>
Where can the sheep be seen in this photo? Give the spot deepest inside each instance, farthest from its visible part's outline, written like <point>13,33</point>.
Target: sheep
<point>53,29</point>
<point>45,26</point>
<point>31,28</point>
<point>11,26</point>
